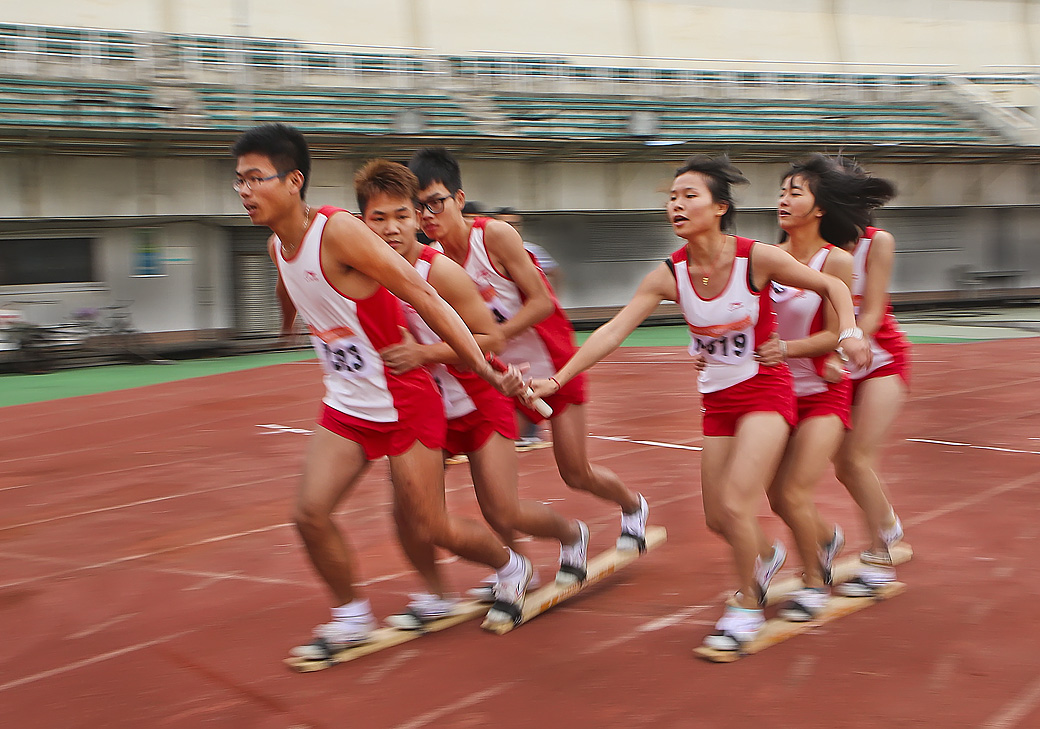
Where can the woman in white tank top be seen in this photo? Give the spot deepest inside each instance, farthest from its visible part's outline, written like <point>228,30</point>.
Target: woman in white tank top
<point>735,469</point>
<point>808,334</point>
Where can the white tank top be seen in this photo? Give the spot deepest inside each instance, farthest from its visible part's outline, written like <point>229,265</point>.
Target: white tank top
<point>725,329</point>
<point>342,330</point>
<point>798,314</point>
<point>457,401</point>
<point>504,299</point>
<point>889,331</point>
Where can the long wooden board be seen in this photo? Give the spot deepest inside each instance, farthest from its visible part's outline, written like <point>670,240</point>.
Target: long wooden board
<point>777,630</point>
<point>383,638</point>
<point>599,567</point>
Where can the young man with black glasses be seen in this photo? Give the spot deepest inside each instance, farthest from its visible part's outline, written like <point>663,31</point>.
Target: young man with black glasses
<point>536,330</point>
<point>347,284</point>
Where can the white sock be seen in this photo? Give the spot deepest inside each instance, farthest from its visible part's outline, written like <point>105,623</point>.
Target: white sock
<point>357,608</point>
<point>513,568</point>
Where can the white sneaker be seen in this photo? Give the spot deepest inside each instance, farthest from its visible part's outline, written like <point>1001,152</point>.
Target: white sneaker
<point>531,443</point>
<point>509,596</point>
<point>633,528</point>
<point>805,604</point>
<point>829,552</point>
<point>574,558</point>
<point>338,635</point>
<point>766,571</point>
<point>736,627</point>
<point>867,583</point>
<point>890,537</point>
<point>485,591</point>
<point>423,608</point>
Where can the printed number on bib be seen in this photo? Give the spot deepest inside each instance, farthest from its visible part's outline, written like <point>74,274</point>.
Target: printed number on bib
<point>344,357</point>
<point>729,346</point>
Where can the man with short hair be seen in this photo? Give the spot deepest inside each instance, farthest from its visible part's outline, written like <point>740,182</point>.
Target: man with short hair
<point>345,283</point>
<point>536,330</point>
<point>481,423</point>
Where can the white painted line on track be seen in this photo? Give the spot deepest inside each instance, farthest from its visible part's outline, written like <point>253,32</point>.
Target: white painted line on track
<point>659,444</point>
<point>936,442</point>
<point>971,500</point>
<point>145,555</point>
<point>90,661</point>
<point>102,626</point>
<point>464,703</point>
<point>221,576</point>
<point>972,445</point>
<point>667,621</point>
<point>1013,713</point>
<point>141,502</point>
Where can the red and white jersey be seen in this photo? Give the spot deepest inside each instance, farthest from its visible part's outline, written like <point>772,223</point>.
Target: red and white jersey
<point>799,314</point>
<point>548,344</point>
<point>455,384</point>
<point>889,338</point>
<point>347,334</point>
<point>725,329</point>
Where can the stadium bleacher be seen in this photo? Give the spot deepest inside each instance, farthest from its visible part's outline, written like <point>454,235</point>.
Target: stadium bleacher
<point>332,110</point>
<point>530,98</point>
<point>95,104</point>
<point>724,120</point>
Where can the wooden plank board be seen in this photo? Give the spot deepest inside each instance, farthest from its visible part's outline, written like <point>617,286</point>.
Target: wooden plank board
<point>777,630</point>
<point>383,638</point>
<point>599,567</point>
<point>843,571</point>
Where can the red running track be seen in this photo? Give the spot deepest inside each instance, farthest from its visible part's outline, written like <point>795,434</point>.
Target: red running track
<point>150,578</point>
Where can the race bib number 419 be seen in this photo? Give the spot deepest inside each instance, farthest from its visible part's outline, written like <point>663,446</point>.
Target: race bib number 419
<point>726,347</point>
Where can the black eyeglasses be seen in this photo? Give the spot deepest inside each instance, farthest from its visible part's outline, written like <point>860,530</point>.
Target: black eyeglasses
<point>254,182</point>
<point>436,205</point>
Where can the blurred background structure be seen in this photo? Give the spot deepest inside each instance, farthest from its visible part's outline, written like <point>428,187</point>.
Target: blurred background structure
<point>116,118</point>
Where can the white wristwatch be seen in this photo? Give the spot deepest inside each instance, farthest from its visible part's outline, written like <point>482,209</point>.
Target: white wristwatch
<point>853,333</point>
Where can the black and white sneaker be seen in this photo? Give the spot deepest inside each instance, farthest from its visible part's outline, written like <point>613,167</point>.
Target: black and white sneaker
<point>829,552</point>
<point>868,582</point>
<point>423,608</point>
<point>509,596</point>
<point>336,636</point>
<point>633,528</point>
<point>765,571</point>
<point>889,538</point>
<point>485,591</point>
<point>574,558</point>
<point>736,627</point>
<point>804,605</point>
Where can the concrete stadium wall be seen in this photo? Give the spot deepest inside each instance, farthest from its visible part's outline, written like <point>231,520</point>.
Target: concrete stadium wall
<point>963,34</point>
<point>603,222</point>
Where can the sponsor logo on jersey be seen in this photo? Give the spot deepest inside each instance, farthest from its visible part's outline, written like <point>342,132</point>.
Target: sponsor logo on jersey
<point>719,330</point>
<point>331,335</point>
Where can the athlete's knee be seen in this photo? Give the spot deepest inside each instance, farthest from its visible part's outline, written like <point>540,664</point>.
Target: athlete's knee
<point>576,476</point>
<point>851,466</point>
<point>721,518</point>
<point>311,517</point>
<point>503,519</point>
<point>787,501</point>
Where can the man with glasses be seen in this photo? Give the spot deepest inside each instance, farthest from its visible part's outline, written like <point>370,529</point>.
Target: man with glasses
<point>536,330</point>
<point>346,283</point>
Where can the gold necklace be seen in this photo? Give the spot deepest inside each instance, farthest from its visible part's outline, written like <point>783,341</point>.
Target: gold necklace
<point>715,265</point>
